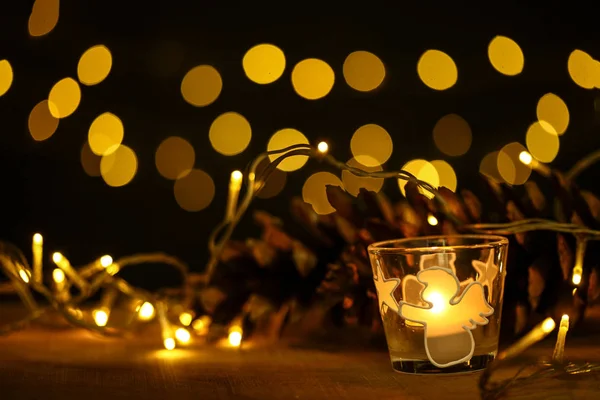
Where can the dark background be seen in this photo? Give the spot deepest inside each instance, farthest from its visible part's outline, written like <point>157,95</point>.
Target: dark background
<point>43,187</point>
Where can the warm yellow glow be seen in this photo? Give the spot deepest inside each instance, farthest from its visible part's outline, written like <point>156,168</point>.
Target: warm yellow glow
<point>202,323</point>
<point>285,138</point>
<point>432,220</point>
<point>313,191</point>
<point>236,176</point>
<point>169,343</point>
<point>175,157</point>
<point>38,239</point>
<point>437,301</point>
<point>353,183</point>
<point>312,78</point>
<point>183,335</point>
<point>64,98</point>
<point>576,279</point>
<point>489,166</point>
<point>41,123</point>
<point>230,133</point>
<point>105,134</point>
<point>90,161</point>
<point>506,56</point>
<point>582,69</point>
<point>44,17</point>
<point>106,261</point>
<point>94,65</point>
<point>201,85</point>
<point>195,191</point>
<point>525,158</point>
<point>373,141</point>
<point>274,184</point>
<point>186,318</point>
<point>100,317</point>
<point>564,318</point>
<point>363,71</point>
<point>6,76</point>
<point>548,325</point>
<point>235,338</point>
<point>119,167</point>
<point>146,311</point>
<point>511,170</point>
<point>542,142</point>
<point>422,170</point>
<point>264,63</point>
<point>437,70</point>
<point>323,147</point>
<point>447,176</point>
<point>58,275</point>
<point>57,257</point>
<point>553,110</point>
<point>24,274</point>
<point>452,135</point>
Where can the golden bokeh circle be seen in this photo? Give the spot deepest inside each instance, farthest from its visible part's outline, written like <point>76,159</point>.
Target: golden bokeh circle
<point>264,63</point>
<point>119,167</point>
<point>582,69</point>
<point>373,141</point>
<point>447,176</point>
<point>452,135</point>
<point>275,182</point>
<point>363,71</point>
<point>230,133</point>
<point>506,56</point>
<point>90,161</point>
<point>41,123</point>
<point>175,157</point>
<point>285,138</point>
<point>553,110</point>
<point>312,78</point>
<point>511,169</point>
<point>542,142</point>
<point>201,86</point>
<point>6,76</point>
<point>437,70</point>
<point>422,170</point>
<point>195,191</point>
<point>314,191</point>
<point>64,98</point>
<point>43,17</point>
<point>94,65</point>
<point>353,183</point>
<point>489,166</point>
<point>105,134</point>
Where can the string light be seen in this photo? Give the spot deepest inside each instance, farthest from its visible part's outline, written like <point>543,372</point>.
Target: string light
<point>37,251</point>
<point>432,220</point>
<point>235,184</point>
<point>186,318</point>
<point>183,336</point>
<point>559,349</point>
<point>323,147</point>
<point>146,311</point>
<point>235,336</point>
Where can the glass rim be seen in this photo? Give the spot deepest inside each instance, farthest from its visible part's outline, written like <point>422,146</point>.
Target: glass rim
<point>488,241</point>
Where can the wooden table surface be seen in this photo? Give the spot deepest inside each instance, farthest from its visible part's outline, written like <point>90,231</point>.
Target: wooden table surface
<point>50,363</point>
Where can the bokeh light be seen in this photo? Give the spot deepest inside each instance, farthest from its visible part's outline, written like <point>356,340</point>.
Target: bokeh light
<point>264,63</point>
<point>44,17</point>
<point>119,167</point>
<point>312,78</point>
<point>90,161</point>
<point>542,142</point>
<point>452,135</point>
<point>6,76</point>
<point>552,109</point>
<point>175,157</point>
<point>353,183</point>
<point>447,176</point>
<point>314,191</point>
<point>41,123</point>
<point>105,134</point>
<point>64,98</point>
<point>506,56</point>
<point>230,133</point>
<point>274,184</point>
<point>201,86</point>
<point>373,141</point>
<point>422,170</point>
<point>489,166</point>
<point>363,71</point>
<point>582,69</point>
<point>511,169</point>
<point>94,65</point>
<point>437,70</point>
<point>285,138</point>
<point>195,191</point>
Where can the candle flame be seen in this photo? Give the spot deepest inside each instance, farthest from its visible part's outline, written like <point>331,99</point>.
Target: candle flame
<point>437,301</point>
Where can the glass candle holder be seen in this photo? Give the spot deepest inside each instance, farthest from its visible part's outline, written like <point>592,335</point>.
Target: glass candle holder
<point>440,299</point>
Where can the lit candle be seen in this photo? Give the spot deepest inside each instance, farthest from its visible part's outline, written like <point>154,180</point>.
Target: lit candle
<point>66,267</point>
<point>559,349</point>
<point>235,184</point>
<point>539,332</point>
<point>37,250</point>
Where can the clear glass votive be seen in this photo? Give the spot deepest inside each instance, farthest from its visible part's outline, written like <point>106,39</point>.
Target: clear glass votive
<point>440,299</point>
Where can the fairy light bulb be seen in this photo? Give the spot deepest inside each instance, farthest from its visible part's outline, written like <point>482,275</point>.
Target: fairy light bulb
<point>183,335</point>
<point>576,279</point>
<point>186,318</point>
<point>58,275</point>
<point>37,251</point>
<point>24,275</point>
<point>432,220</point>
<point>100,317</point>
<point>323,147</point>
<point>525,158</point>
<point>548,325</point>
<point>165,326</point>
<point>235,336</point>
<point>106,261</point>
<point>169,343</point>
<point>146,311</point>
